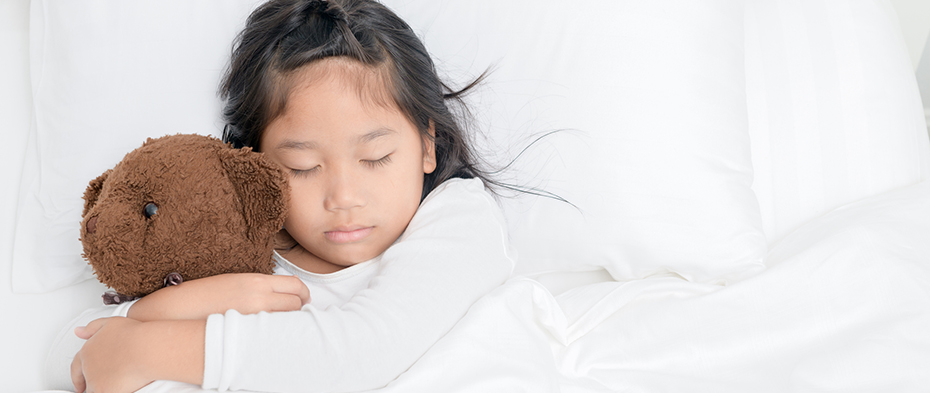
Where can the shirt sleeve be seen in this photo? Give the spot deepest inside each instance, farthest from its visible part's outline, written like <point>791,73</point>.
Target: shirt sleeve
<point>454,251</point>
<point>57,372</point>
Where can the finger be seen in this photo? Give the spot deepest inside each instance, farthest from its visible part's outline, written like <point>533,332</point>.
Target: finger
<point>85,332</point>
<point>285,302</point>
<point>291,285</point>
<point>77,374</point>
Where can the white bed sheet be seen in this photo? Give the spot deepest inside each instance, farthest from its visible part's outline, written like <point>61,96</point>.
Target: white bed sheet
<point>843,307</point>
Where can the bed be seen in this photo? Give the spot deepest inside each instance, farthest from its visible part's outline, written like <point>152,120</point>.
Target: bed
<point>750,208</point>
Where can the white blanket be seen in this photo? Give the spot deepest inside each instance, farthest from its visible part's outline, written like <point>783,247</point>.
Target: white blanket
<point>843,306</point>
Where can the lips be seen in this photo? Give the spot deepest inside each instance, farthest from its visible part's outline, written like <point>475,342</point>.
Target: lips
<point>348,235</point>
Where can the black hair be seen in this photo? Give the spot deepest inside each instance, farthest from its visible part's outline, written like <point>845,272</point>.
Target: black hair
<point>281,36</point>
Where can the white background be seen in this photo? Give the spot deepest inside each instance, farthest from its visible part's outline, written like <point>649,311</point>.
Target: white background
<point>15,115</point>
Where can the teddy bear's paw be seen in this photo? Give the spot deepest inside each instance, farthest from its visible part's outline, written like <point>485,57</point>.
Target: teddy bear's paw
<point>111,297</point>
<point>173,278</point>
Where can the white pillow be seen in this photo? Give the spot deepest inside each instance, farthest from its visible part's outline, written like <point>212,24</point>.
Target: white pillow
<point>834,110</point>
<point>655,152</point>
<point>656,158</point>
<point>105,76</point>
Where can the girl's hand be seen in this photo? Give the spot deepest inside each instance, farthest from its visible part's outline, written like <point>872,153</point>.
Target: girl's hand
<point>123,355</point>
<point>247,293</point>
<point>104,363</point>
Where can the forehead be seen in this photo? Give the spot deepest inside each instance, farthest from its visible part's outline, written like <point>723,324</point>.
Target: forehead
<point>372,84</point>
<point>336,98</point>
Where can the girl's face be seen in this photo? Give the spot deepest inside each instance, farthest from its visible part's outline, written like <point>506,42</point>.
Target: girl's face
<point>356,165</point>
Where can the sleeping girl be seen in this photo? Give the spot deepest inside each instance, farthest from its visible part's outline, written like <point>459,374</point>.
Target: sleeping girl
<point>391,229</point>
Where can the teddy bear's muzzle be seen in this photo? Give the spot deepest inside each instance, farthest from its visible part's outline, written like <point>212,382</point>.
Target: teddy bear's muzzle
<point>92,225</point>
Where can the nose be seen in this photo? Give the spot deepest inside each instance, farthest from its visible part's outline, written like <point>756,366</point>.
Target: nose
<point>92,225</point>
<point>343,192</point>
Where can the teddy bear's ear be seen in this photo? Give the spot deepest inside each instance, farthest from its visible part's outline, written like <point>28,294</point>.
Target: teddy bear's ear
<point>262,188</point>
<point>93,191</point>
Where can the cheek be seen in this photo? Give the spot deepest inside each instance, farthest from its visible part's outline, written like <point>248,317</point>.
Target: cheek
<point>407,195</point>
<point>302,207</point>
<point>407,183</point>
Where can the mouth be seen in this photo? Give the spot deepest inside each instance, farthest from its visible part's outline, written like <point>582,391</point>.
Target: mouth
<point>348,235</point>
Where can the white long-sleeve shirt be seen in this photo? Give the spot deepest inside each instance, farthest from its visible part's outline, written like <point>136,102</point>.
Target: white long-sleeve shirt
<point>368,323</point>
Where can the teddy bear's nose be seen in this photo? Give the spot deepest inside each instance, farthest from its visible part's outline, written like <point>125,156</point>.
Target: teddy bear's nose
<point>92,224</point>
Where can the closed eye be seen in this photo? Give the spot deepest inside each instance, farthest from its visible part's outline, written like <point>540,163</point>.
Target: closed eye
<point>304,172</point>
<point>379,162</point>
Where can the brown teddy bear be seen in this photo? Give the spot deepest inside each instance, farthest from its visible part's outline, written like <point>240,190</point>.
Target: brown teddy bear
<point>181,207</point>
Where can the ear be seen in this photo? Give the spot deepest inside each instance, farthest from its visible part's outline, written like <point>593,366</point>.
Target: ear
<point>429,149</point>
<point>93,191</point>
<point>262,188</point>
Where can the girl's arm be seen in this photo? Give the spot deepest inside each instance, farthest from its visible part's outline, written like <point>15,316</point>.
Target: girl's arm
<point>453,252</point>
<point>245,292</point>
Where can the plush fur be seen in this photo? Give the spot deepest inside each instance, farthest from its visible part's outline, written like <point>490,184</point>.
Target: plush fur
<point>216,210</point>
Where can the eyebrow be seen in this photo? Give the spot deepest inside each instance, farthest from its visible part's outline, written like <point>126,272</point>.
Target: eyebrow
<point>290,144</point>
<point>375,135</point>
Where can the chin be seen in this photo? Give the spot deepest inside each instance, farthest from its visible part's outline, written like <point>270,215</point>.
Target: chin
<point>349,258</point>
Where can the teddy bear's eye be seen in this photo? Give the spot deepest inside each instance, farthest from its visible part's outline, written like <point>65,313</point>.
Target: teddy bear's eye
<point>150,210</point>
